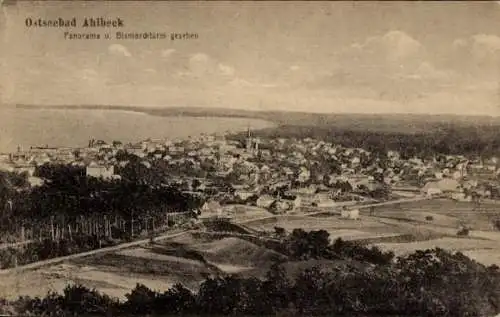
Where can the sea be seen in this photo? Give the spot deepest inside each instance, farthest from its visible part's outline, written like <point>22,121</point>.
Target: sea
<point>74,127</point>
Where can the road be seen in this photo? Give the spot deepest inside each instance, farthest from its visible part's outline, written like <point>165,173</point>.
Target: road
<point>58,260</point>
<point>15,244</point>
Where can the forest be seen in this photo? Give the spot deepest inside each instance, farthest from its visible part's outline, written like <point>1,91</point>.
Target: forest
<point>447,139</point>
<point>72,213</point>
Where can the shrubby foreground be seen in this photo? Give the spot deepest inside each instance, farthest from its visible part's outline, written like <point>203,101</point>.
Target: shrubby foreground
<point>360,281</point>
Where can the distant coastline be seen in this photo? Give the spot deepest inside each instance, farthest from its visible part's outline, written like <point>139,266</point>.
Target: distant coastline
<point>156,111</point>
<point>379,122</point>
<point>258,114</point>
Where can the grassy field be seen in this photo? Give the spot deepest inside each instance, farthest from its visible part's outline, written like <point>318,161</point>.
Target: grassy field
<point>408,227</point>
<point>55,279</point>
<point>366,228</point>
<point>445,213</point>
<point>449,243</point>
<point>315,223</point>
<point>481,244</point>
<point>246,213</point>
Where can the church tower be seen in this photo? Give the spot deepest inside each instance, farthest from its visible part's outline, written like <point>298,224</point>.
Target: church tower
<point>249,140</point>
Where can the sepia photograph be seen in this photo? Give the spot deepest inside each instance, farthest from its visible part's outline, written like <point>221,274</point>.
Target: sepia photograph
<point>250,158</point>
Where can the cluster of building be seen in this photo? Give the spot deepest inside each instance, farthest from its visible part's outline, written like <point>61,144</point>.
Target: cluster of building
<point>278,174</point>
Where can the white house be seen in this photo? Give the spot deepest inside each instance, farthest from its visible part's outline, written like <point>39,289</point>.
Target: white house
<point>35,181</point>
<point>324,203</point>
<point>461,197</point>
<point>265,201</point>
<point>323,200</point>
<point>441,186</point>
<point>304,175</point>
<point>243,194</point>
<point>211,207</point>
<point>431,191</point>
<point>98,171</point>
<point>352,214</point>
<point>457,175</point>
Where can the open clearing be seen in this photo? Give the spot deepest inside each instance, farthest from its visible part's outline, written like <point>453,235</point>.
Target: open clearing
<point>56,278</point>
<point>366,228</point>
<point>352,235</point>
<point>486,257</point>
<point>241,213</point>
<point>482,243</point>
<point>445,212</point>
<point>331,223</point>
<point>454,244</point>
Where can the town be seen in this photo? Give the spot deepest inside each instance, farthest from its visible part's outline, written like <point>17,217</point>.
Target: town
<point>240,177</point>
<point>279,174</point>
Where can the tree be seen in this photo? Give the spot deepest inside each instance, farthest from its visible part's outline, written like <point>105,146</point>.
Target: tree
<point>279,232</point>
<point>80,300</point>
<point>228,290</point>
<point>177,300</point>
<point>345,187</point>
<point>276,289</point>
<point>76,154</point>
<point>195,184</point>
<point>117,143</point>
<point>308,245</point>
<point>141,300</point>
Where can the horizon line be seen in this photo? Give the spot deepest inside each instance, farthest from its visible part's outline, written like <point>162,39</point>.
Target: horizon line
<point>138,108</point>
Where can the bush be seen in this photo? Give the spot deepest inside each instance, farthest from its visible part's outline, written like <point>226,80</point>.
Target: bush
<point>463,232</point>
<point>302,245</point>
<point>496,224</point>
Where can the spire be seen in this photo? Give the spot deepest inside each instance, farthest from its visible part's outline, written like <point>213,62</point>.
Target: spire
<point>249,139</point>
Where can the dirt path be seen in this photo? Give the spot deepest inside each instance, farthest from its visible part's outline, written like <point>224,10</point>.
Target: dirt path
<point>58,260</point>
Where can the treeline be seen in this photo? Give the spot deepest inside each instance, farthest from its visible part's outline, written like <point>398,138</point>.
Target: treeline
<point>425,283</point>
<point>449,139</point>
<point>68,195</point>
<point>72,213</point>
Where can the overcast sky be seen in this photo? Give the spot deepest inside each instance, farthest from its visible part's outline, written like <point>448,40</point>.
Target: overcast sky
<point>440,57</point>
